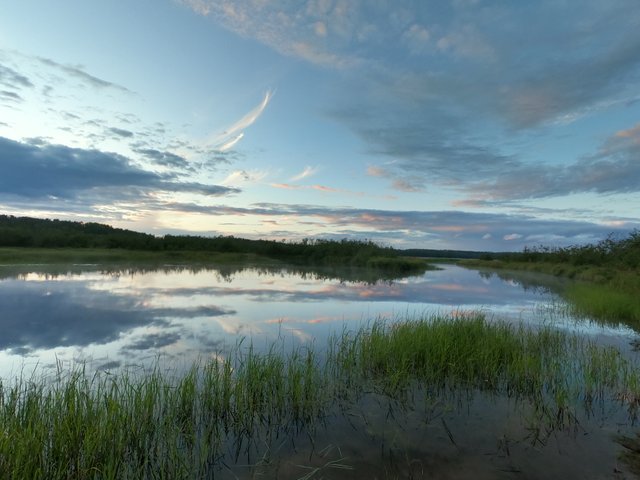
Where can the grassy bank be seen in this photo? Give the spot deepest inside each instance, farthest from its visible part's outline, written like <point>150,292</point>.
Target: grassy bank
<point>606,293</point>
<point>606,275</point>
<point>18,255</point>
<point>156,425</point>
<point>605,302</point>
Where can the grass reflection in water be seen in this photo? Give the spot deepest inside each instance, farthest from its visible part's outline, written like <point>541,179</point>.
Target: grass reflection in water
<point>243,406</point>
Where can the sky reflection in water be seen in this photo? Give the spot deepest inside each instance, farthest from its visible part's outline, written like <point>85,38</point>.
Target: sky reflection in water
<point>123,318</point>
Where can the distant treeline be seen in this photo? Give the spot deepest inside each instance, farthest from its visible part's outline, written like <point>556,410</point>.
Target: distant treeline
<point>458,254</point>
<point>623,253</point>
<point>41,233</point>
<point>612,252</point>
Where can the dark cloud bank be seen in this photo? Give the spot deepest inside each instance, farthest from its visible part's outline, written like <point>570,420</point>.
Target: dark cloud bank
<point>44,171</point>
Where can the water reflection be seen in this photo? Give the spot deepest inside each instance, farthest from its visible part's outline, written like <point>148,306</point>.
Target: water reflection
<point>119,316</point>
<point>480,436</point>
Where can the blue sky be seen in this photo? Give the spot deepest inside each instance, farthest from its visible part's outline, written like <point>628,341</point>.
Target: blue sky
<point>484,125</point>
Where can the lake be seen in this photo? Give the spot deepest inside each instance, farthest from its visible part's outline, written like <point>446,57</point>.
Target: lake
<point>112,318</point>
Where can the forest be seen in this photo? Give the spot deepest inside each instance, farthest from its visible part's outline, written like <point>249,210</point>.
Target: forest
<point>27,232</point>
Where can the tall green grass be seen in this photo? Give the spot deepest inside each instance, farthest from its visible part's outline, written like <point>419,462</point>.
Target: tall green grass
<point>605,302</point>
<point>162,425</point>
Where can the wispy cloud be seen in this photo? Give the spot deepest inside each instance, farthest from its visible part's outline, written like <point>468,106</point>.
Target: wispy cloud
<point>120,132</point>
<point>230,143</point>
<point>11,78</point>
<point>50,83</point>
<point>324,188</point>
<point>302,31</point>
<point>480,86</point>
<point>287,186</point>
<point>614,168</point>
<point>316,187</point>
<point>239,177</point>
<point>79,73</point>
<point>231,136</point>
<point>306,173</point>
<point>10,96</point>
<point>166,159</point>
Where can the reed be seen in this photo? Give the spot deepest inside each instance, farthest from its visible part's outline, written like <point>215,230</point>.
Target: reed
<point>163,424</point>
<point>605,302</point>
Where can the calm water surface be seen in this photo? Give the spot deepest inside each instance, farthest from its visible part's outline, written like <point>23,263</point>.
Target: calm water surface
<point>113,318</point>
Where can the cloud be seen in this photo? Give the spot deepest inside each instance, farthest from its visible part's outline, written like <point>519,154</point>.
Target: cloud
<point>166,159</point>
<point>121,132</point>
<point>287,186</point>
<point>417,38</point>
<point>307,172</point>
<point>231,136</point>
<point>374,171</point>
<point>195,187</point>
<point>483,171</point>
<point>404,185</point>
<point>36,315</point>
<point>82,75</point>
<point>55,170</point>
<point>239,177</point>
<point>154,341</point>
<point>420,149</point>
<point>436,289</point>
<point>293,30</point>
<point>14,82</point>
<point>489,76</point>
<point>250,117</point>
<point>11,78</point>
<point>512,236</point>
<point>320,28</point>
<point>45,171</point>
<point>319,188</point>
<point>231,143</point>
<point>466,41</point>
<point>451,229</point>
<point>10,96</point>
<point>613,169</point>
<point>324,188</point>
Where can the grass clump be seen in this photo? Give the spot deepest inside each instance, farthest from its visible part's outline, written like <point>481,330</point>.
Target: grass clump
<point>469,353</point>
<point>159,425</point>
<point>604,302</point>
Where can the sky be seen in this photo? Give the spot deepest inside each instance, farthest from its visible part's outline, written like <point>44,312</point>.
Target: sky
<point>470,124</point>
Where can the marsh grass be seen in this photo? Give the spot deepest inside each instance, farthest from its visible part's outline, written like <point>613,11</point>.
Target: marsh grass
<point>607,293</point>
<point>605,302</point>
<point>191,425</point>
